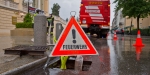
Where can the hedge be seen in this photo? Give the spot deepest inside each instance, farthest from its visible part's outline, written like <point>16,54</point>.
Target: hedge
<point>24,25</point>
<point>144,32</point>
<point>27,23</point>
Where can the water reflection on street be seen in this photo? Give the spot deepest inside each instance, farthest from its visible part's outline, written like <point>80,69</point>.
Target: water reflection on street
<point>126,59</point>
<point>116,57</point>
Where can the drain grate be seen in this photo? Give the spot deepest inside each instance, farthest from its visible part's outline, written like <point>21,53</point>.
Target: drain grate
<point>26,49</point>
<point>70,65</point>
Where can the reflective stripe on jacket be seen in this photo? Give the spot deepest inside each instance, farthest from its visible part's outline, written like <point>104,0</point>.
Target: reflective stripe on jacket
<point>50,19</point>
<point>33,17</point>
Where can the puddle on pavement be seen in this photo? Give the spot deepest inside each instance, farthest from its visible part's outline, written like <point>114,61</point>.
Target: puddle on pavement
<point>128,59</point>
<point>54,68</point>
<point>54,71</point>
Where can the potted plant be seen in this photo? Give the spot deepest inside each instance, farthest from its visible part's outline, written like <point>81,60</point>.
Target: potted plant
<point>24,28</point>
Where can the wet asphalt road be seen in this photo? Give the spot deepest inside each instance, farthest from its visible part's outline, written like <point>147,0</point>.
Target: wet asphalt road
<point>118,57</point>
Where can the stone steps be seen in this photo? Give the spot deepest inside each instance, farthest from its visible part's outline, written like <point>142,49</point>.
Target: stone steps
<point>4,32</point>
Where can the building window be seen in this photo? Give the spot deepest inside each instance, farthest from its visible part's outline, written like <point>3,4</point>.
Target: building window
<point>25,4</point>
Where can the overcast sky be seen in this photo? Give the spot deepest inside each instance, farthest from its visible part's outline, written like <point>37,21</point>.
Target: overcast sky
<point>73,5</point>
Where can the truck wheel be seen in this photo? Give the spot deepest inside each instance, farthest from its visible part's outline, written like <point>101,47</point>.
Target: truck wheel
<point>104,35</point>
<point>85,30</point>
<point>91,32</point>
<point>99,35</point>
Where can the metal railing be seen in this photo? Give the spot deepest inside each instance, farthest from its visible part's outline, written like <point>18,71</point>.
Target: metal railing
<point>8,3</point>
<point>60,19</point>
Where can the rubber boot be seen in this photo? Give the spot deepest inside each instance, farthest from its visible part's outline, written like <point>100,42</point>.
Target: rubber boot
<point>63,62</point>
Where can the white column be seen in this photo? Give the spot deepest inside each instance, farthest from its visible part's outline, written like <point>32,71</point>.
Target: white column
<point>48,7</point>
<point>39,3</point>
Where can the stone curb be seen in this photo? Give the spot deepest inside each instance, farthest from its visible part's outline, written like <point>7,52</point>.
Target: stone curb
<point>25,67</point>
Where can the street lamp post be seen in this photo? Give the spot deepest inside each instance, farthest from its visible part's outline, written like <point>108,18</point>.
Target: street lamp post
<point>28,6</point>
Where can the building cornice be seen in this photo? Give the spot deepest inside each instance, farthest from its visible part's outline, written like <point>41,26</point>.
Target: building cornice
<point>8,7</point>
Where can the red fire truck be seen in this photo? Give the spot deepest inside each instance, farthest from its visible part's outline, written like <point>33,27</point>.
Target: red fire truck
<point>95,17</point>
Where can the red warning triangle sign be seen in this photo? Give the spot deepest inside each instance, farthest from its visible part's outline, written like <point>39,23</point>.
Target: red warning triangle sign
<point>73,41</point>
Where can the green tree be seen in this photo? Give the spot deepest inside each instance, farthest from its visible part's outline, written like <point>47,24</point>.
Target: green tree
<point>134,8</point>
<point>55,9</point>
<point>66,19</point>
<point>27,22</point>
<point>28,18</point>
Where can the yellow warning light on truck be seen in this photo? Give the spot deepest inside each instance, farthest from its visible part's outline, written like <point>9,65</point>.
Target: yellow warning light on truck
<point>95,2</point>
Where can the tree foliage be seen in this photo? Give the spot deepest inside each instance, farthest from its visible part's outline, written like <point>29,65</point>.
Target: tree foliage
<point>134,8</point>
<point>66,19</point>
<point>27,22</point>
<point>28,18</point>
<point>55,9</point>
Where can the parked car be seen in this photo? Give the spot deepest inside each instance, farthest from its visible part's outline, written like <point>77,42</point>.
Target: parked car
<point>120,31</point>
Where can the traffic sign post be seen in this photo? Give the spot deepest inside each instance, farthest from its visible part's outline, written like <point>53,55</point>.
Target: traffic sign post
<point>73,41</point>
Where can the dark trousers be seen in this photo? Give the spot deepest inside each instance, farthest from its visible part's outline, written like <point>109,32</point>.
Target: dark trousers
<point>51,29</point>
<point>52,26</point>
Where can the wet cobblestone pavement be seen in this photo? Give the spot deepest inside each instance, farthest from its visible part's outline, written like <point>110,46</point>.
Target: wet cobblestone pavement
<point>9,62</point>
<point>118,57</point>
